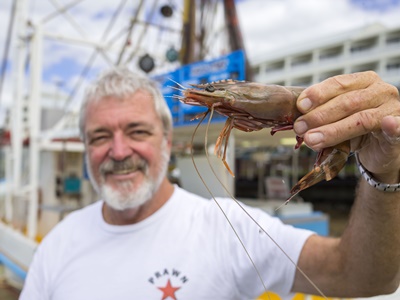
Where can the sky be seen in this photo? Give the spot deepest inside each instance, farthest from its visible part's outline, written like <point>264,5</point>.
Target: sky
<point>267,26</point>
<point>273,24</point>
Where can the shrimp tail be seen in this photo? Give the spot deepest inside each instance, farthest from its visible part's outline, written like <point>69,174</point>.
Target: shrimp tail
<point>330,162</point>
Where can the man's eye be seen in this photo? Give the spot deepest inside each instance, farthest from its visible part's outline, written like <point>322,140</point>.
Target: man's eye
<point>139,133</point>
<point>97,139</point>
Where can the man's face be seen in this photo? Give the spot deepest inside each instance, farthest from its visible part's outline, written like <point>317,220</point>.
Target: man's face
<point>127,153</point>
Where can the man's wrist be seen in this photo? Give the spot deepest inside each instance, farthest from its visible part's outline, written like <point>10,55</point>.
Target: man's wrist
<point>389,184</point>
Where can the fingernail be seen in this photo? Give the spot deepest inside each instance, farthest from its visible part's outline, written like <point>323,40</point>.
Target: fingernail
<point>300,127</point>
<point>315,138</point>
<point>305,104</point>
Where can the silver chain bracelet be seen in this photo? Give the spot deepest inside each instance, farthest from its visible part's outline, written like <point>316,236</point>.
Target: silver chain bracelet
<point>384,187</point>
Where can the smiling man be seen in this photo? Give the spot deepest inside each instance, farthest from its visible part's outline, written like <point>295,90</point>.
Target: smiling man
<point>149,239</point>
<point>127,153</point>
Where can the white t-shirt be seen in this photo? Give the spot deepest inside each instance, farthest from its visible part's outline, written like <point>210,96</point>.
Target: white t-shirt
<point>185,250</point>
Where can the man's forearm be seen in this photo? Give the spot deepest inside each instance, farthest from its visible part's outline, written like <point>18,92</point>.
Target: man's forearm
<point>371,242</point>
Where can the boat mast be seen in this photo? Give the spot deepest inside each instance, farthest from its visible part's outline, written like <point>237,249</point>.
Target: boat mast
<point>235,35</point>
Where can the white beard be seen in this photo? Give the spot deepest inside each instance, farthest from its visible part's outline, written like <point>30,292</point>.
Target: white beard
<point>125,196</point>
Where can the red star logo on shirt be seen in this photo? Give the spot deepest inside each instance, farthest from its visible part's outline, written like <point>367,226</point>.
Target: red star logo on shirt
<point>169,291</point>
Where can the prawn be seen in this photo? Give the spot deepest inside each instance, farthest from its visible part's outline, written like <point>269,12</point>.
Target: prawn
<point>252,106</point>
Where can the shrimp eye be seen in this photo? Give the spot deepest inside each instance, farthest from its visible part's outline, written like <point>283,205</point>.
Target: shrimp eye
<point>210,88</point>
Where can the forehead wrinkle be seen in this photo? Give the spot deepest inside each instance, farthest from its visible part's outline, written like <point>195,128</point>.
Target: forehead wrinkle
<point>135,124</point>
<point>138,124</point>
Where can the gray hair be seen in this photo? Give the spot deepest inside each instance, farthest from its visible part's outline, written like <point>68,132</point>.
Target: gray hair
<point>121,83</point>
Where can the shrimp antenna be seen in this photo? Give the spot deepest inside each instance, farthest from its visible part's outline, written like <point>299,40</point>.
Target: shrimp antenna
<point>177,83</point>
<point>213,197</point>
<point>258,225</point>
<point>219,206</point>
<point>175,88</point>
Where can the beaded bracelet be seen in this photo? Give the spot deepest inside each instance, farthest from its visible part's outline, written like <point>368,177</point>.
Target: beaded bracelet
<point>384,187</point>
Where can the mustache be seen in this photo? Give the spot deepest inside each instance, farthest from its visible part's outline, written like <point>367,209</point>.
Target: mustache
<point>127,164</point>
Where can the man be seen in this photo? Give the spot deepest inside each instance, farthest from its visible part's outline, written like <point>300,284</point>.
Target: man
<point>148,239</point>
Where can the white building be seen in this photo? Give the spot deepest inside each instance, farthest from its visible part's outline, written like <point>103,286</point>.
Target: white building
<point>373,47</point>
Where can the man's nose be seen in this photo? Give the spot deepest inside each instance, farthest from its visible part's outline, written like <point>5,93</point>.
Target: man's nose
<point>120,148</point>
